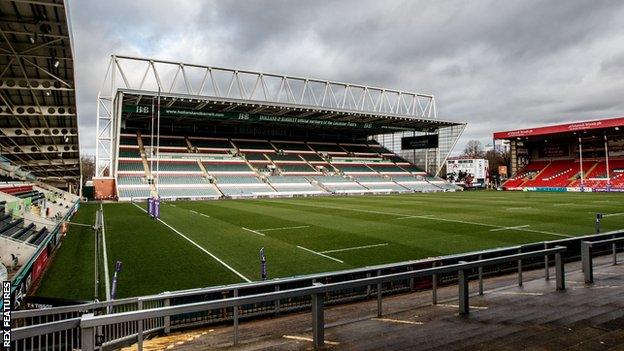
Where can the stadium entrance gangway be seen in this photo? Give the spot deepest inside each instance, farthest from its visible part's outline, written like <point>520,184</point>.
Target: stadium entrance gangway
<point>63,324</point>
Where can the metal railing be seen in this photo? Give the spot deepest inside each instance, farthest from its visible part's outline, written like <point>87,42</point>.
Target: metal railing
<point>91,325</point>
<point>127,332</point>
<point>587,248</point>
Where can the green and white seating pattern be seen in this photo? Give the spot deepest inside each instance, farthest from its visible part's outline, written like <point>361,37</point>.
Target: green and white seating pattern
<point>296,168</point>
<point>246,191</point>
<point>173,179</point>
<point>294,185</point>
<point>203,192</point>
<point>354,168</point>
<point>237,179</point>
<point>131,166</point>
<point>134,193</point>
<point>260,145</point>
<point>371,168</point>
<point>212,144</point>
<point>227,167</point>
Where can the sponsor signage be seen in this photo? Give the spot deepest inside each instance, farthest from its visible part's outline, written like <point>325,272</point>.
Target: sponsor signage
<point>250,117</point>
<point>562,128</point>
<point>420,142</point>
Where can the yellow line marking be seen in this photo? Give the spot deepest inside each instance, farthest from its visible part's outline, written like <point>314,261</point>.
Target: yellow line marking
<point>303,338</point>
<point>518,293</point>
<point>457,306</point>
<point>397,321</point>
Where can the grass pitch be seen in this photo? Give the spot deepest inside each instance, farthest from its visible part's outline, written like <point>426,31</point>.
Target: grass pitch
<point>198,244</point>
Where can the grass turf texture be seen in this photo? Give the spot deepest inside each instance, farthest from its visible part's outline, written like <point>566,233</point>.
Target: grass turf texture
<point>158,259</point>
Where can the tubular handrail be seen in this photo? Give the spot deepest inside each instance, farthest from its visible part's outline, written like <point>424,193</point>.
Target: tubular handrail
<point>267,283</point>
<point>91,321</point>
<point>587,260</point>
<point>46,328</point>
<point>603,242</point>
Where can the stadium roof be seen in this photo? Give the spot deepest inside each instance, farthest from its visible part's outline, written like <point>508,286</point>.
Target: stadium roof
<point>563,128</point>
<point>38,122</point>
<point>200,95</point>
<point>230,111</point>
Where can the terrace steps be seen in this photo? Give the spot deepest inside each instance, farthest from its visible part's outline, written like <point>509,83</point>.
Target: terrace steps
<point>146,168</point>
<point>207,176</point>
<point>589,171</point>
<point>538,174</point>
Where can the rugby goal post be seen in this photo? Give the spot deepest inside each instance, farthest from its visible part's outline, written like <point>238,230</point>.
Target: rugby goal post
<point>97,228</point>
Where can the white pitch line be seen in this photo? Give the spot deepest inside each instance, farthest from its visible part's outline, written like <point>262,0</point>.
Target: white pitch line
<point>507,228</point>
<point>320,254</point>
<point>415,216</point>
<point>107,278</point>
<point>282,228</point>
<point>303,338</point>
<point>401,321</point>
<point>199,247</point>
<point>613,214</point>
<point>564,204</point>
<point>518,208</point>
<point>354,248</point>
<point>428,216</point>
<point>205,215</point>
<point>252,231</point>
<point>195,212</point>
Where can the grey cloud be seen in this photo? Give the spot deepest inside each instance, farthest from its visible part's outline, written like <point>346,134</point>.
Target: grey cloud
<point>494,64</point>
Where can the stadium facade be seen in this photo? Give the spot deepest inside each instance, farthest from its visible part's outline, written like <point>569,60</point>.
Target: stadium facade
<point>579,156</point>
<point>177,130</point>
<point>38,119</point>
<point>40,160</point>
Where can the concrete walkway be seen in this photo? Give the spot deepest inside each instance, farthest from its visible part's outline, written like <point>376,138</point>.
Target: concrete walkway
<point>506,317</point>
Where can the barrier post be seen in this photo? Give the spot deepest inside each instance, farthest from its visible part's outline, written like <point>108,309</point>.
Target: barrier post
<point>480,277</point>
<point>167,319</point>
<point>235,319</point>
<point>379,287</point>
<point>87,335</point>
<point>559,272</point>
<point>277,302</point>
<point>519,269</point>
<point>318,320</point>
<point>463,292</point>
<point>614,249</point>
<point>546,263</point>
<point>140,328</point>
<point>587,262</point>
<point>434,286</point>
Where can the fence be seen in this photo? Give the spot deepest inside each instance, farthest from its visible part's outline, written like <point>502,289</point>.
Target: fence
<point>59,328</point>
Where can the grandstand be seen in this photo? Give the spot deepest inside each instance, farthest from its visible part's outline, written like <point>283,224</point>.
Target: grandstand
<point>38,121</point>
<point>39,161</point>
<point>242,134</point>
<point>581,156</point>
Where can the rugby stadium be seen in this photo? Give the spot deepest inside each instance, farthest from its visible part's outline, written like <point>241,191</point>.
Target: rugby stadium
<point>233,208</point>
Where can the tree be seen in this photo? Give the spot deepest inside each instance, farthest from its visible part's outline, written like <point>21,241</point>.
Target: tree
<point>87,166</point>
<point>498,158</point>
<point>474,149</point>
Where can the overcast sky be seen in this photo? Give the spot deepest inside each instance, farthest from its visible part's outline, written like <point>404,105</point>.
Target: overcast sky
<point>497,65</point>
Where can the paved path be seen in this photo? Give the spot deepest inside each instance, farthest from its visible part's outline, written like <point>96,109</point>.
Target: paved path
<point>506,317</point>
